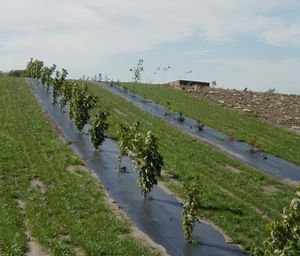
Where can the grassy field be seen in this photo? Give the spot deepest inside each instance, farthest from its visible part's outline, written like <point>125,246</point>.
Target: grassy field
<point>235,197</point>
<point>241,126</point>
<point>66,213</point>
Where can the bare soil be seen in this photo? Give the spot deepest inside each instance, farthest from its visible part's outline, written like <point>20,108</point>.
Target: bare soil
<point>276,108</point>
<point>35,183</point>
<point>34,248</point>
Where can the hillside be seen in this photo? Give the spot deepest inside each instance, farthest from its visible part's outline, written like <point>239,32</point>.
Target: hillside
<point>275,108</point>
<point>236,124</point>
<point>50,204</point>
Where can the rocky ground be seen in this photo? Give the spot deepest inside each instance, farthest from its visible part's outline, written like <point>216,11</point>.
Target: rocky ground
<point>276,108</point>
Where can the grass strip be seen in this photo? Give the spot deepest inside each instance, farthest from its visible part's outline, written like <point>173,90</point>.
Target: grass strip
<point>239,125</point>
<point>235,201</point>
<point>65,212</point>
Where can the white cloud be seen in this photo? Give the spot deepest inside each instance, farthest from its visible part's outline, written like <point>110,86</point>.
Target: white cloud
<point>78,34</point>
<point>278,32</point>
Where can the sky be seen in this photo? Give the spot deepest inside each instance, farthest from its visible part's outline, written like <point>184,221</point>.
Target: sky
<point>237,43</point>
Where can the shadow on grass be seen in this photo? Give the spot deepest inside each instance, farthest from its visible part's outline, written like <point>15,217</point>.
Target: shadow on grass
<point>223,209</point>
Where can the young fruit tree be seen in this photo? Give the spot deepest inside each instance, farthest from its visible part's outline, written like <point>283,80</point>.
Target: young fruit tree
<point>98,127</point>
<point>80,104</point>
<point>199,126</point>
<point>180,118</point>
<point>144,152</point>
<point>126,135</point>
<point>57,83</point>
<point>284,239</point>
<point>190,210</point>
<point>46,78</point>
<point>66,92</point>
<point>148,161</point>
<point>252,143</point>
<point>137,71</point>
<point>34,68</point>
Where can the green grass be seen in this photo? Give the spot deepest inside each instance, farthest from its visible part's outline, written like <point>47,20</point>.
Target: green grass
<point>234,201</point>
<point>73,212</point>
<point>241,126</point>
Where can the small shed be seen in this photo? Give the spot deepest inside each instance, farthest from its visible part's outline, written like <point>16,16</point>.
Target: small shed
<point>188,83</point>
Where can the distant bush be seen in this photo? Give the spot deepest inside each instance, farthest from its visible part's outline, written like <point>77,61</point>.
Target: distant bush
<point>16,73</point>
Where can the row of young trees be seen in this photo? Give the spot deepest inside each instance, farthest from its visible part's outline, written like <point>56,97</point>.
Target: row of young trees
<point>143,149</point>
<point>66,93</point>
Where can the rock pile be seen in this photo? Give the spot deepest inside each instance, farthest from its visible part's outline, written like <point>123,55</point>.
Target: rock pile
<point>276,108</point>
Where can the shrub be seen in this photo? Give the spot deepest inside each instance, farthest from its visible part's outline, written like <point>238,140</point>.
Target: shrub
<point>80,104</point>
<point>284,236</point>
<point>190,210</point>
<point>98,127</point>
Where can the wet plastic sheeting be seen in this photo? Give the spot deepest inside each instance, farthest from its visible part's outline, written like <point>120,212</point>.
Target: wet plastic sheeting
<point>159,217</point>
<point>237,150</point>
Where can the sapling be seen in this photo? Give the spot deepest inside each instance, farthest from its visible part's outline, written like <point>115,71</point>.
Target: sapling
<point>29,66</point>
<point>125,89</point>
<point>180,118</point>
<point>45,75</point>
<point>168,108</point>
<point>80,104</point>
<point>137,71</point>
<point>190,210</point>
<point>126,135</point>
<point>37,69</point>
<point>200,126</point>
<point>34,69</point>
<point>66,92</point>
<point>49,79</point>
<point>98,127</point>
<point>252,143</point>
<point>148,161</point>
<point>57,83</point>
<point>284,236</point>
<point>144,152</point>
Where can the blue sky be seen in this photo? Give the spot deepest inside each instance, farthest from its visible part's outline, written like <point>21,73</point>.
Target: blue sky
<point>238,43</point>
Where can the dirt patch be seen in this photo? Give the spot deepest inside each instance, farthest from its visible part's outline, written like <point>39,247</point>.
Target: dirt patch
<point>35,183</point>
<point>34,248</point>
<point>147,241</point>
<point>276,108</point>
<point>291,183</point>
<point>269,190</point>
<point>232,169</point>
<point>75,248</point>
<point>119,112</point>
<point>21,205</point>
<point>78,170</point>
